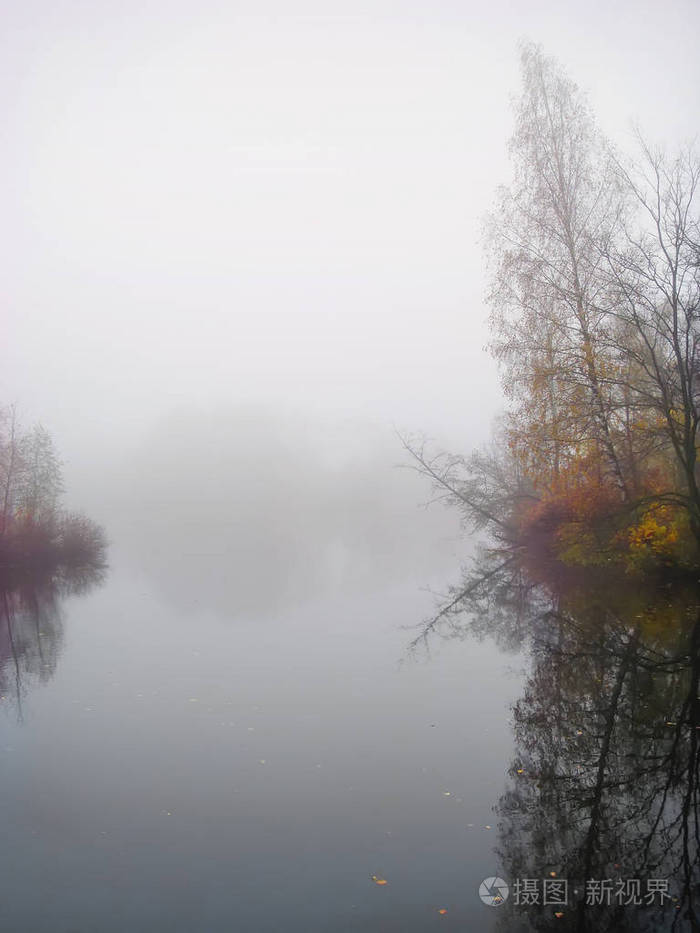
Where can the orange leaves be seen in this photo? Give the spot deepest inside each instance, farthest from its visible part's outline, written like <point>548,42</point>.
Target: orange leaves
<point>583,519</point>
<point>654,530</point>
<point>660,535</point>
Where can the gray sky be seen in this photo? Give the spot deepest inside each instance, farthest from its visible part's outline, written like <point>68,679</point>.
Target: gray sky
<point>231,203</point>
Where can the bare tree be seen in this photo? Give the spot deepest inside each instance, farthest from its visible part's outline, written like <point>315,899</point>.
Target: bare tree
<point>40,482</point>
<point>654,305</point>
<point>548,274</point>
<point>10,461</point>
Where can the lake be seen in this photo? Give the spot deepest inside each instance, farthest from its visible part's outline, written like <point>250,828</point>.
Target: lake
<point>230,733</point>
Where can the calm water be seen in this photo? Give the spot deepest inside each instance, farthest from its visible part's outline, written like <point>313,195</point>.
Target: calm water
<point>230,735</point>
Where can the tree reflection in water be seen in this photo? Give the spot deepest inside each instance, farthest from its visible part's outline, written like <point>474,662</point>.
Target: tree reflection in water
<point>31,623</point>
<point>604,782</point>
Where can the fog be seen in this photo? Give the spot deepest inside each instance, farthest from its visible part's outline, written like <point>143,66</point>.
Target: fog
<point>242,256</point>
<point>242,249</point>
<point>250,515</point>
<point>217,205</point>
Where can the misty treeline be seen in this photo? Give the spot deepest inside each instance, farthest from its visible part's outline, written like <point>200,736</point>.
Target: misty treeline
<point>35,532</point>
<point>595,309</point>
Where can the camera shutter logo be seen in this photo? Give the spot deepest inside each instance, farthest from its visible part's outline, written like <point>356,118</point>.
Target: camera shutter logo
<point>493,891</point>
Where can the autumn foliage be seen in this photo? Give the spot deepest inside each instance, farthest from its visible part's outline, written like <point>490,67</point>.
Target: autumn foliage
<point>35,532</point>
<point>582,519</point>
<point>595,320</point>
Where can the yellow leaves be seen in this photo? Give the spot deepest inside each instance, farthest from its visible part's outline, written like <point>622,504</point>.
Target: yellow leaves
<point>581,520</point>
<point>661,534</point>
<point>677,416</point>
<point>654,530</point>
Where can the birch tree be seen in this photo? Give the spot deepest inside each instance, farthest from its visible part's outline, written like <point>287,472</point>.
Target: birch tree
<point>549,274</point>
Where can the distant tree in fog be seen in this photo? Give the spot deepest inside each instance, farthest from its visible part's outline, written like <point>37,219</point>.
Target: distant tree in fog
<point>33,528</point>
<point>40,482</point>
<point>9,462</point>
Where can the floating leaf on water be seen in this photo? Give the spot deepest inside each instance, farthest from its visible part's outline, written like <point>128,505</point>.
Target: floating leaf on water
<point>378,880</point>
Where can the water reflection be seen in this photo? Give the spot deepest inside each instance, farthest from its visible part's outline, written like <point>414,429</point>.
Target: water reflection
<point>247,513</point>
<point>604,780</point>
<point>31,623</point>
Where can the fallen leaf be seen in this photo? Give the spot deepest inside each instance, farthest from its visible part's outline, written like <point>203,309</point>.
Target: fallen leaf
<point>559,914</point>
<point>552,874</point>
<point>378,880</point>
<point>442,910</point>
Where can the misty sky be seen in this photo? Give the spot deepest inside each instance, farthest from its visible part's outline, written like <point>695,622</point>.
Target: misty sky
<point>235,203</point>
